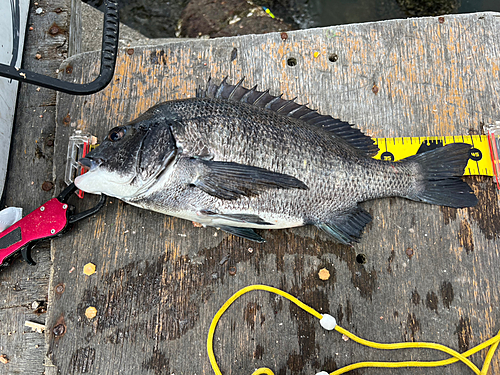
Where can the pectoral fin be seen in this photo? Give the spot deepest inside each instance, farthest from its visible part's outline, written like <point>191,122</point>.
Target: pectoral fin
<point>227,180</point>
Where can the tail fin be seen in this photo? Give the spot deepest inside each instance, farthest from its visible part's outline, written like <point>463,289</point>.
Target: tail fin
<point>440,182</point>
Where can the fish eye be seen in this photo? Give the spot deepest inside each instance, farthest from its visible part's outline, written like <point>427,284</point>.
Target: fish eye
<point>116,134</point>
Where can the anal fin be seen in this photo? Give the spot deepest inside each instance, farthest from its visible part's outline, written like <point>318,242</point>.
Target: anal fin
<point>246,233</point>
<point>348,226</point>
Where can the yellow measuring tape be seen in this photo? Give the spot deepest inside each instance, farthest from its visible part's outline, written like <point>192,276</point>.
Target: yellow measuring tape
<point>329,323</point>
<point>394,149</point>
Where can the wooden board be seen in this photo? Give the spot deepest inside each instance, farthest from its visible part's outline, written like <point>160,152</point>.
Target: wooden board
<point>30,165</point>
<point>426,273</point>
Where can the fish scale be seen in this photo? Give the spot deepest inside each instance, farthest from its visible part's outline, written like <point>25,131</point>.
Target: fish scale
<point>241,159</point>
<point>333,161</point>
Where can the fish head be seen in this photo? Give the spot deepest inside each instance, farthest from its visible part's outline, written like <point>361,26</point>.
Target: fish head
<point>131,157</point>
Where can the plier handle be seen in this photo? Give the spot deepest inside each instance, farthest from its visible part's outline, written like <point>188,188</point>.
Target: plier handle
<point>47,221</point>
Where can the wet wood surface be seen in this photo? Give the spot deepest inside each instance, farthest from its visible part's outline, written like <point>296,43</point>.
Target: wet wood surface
<point>23,287</point>
<point>420,273</point>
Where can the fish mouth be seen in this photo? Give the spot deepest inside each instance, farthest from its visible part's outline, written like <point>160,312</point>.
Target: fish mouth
<point>89,164</point>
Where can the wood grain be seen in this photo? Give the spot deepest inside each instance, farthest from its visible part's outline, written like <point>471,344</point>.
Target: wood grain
<point>426,274</point>
<point>30,165</point>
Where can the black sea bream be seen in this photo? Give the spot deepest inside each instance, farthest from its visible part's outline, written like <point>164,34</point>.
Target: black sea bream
<point>239,159</point>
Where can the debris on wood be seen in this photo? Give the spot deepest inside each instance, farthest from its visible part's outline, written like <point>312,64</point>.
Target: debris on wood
<point>409,252</point>
<point>4,359</point>
<point>324,274</point>
<point>89,269</point>
<point>91,312</point>
<point>224,259</point>
<point>39,307</point>
<point>35,326</point>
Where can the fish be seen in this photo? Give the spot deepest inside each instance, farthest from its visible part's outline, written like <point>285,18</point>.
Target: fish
<point>240,159</point>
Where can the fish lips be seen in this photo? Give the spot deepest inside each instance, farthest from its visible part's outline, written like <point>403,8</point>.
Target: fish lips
<point>89,164</point>
<point>99,180</point>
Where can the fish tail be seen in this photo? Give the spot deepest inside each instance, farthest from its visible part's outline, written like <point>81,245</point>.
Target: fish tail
<point>440,178</point>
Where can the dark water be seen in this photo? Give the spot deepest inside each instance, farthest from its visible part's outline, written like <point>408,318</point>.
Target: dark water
<point>337,12</point>
<point>159,18</point>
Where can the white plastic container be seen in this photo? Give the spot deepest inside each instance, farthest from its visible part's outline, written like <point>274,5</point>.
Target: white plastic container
<point>13,16</point>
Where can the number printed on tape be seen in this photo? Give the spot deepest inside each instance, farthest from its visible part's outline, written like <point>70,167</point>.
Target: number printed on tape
<point>394,149</point>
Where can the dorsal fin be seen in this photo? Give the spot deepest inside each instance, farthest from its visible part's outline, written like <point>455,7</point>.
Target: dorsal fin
<point>263,99</point>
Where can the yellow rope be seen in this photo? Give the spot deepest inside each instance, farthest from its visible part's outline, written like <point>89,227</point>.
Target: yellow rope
<point>407,345</point>
<point>493,342</point>
<point>489,355</point>
<point>234,297</point>
<point>263,371</point>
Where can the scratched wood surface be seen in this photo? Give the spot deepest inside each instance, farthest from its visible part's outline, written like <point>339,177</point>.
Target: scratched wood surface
<point>420,273</point>
<point>23,288</point>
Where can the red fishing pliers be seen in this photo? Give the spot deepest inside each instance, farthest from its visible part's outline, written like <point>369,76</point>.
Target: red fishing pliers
<point>47,221</point>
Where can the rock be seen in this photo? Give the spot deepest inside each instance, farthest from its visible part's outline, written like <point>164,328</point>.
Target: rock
<point>223,18</point>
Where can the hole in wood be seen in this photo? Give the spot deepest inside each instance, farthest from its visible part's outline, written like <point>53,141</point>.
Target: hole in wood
<point>292,61</point>
<point>361,258</point>
<point>333,57</point>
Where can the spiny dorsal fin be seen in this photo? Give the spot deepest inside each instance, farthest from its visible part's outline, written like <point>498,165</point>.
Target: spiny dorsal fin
<point>263,99</point>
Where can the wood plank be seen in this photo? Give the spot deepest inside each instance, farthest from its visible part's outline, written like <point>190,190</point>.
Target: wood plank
<point>30,165</point>
<point>429,273</point>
